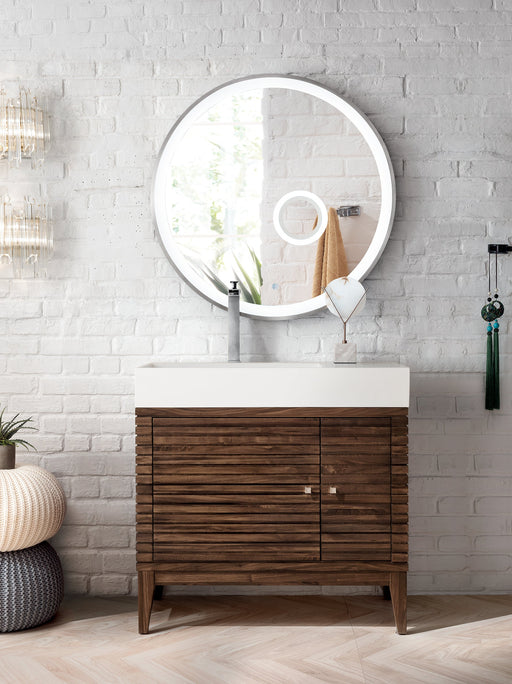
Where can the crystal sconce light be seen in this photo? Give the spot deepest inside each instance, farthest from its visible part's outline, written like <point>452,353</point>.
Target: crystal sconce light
<point>26,236</point>
<point>26,231</point>
<point>24,130</point>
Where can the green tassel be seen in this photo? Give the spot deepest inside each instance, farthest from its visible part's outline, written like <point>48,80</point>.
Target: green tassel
<point>496,364</point>
<point>489,372</point>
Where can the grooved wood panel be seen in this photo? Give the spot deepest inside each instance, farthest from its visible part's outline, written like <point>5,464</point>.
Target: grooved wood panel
<point>264,412</point>
<point>298,573</point>
<point>224,487</point>
<point>221,473</point>
<point>356,461</point>
<point>235,551</point>
<point>309,572</point>
<point>144,489</point>
<point>399,489</point>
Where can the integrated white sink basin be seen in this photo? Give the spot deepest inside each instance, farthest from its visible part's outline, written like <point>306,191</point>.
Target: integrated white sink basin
<point>204,385</point>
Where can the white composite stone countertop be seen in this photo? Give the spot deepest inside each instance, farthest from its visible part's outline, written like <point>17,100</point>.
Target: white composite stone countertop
<point>204,385</point>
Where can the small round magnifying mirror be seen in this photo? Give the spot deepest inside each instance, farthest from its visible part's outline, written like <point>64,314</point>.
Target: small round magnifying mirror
<point>300,217</point>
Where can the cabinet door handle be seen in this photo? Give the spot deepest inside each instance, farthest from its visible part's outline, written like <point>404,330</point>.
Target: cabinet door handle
<point>307,490</point>
<point>332,490</point>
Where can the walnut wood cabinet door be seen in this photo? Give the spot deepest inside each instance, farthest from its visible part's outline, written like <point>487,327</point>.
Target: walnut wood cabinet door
<point>356,489</point>
<point>236,489</point>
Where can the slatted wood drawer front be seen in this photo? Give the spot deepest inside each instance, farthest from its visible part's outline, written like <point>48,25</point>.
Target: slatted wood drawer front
<point>356,488</point>
<point>236,489</point>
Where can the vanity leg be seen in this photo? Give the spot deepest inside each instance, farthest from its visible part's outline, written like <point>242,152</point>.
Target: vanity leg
<point>146,590</point>
<point>398,588</point>
<point>158,593</point>
<point>386,593</point>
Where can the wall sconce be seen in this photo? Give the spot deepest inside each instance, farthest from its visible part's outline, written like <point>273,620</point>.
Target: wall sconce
<point>26,236</point>
<point>24,129</point>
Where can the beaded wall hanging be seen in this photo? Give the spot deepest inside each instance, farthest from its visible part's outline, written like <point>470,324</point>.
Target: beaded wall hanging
<point>490,312</point>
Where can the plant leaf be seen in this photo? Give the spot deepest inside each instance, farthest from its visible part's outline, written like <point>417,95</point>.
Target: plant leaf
<point>246,293</point>
<point>5,427</point>
<point>11,427</point>
<point>21,442</point>
<point>256,295</point>
<point>214,279</point>
<point>257,263</point>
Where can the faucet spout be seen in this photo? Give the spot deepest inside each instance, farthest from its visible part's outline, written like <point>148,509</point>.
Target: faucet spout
<point>234,322</point>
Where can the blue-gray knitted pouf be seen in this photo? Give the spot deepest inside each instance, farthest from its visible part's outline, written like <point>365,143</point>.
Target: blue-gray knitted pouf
<point>31,587</point>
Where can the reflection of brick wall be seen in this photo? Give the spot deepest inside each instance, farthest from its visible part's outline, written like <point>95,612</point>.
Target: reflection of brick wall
<point>311,146</point>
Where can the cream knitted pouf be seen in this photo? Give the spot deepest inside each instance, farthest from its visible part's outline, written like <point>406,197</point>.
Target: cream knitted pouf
<point>32,507</point>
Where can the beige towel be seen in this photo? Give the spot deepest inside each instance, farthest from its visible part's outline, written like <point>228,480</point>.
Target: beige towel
<point>331,260</point>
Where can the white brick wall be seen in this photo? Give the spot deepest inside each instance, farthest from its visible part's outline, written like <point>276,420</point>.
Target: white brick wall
<point>435,77</point>
<point>307,151</point>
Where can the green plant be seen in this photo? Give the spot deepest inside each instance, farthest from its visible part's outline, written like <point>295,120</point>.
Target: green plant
<point>213,278</point>
<point>9,428</point>
<point>251,290</point>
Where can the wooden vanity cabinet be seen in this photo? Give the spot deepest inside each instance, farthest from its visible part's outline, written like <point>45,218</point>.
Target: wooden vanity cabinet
<point>272,496</point>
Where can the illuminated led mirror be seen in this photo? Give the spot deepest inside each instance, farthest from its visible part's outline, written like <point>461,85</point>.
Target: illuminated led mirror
<point>245,180</point>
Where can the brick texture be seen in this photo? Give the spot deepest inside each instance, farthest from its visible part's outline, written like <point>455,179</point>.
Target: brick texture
<point>435,78</point>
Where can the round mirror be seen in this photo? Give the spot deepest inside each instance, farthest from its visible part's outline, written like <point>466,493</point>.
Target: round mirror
<point>262,179</point>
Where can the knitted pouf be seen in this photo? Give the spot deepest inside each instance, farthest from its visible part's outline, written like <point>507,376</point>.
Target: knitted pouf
<point>32,507</point>
<point>31,587</point>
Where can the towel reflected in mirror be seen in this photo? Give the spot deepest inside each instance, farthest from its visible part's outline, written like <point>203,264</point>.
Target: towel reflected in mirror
<point>331,260</point>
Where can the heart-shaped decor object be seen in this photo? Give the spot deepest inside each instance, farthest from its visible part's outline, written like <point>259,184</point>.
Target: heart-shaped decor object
<point>345,297</point>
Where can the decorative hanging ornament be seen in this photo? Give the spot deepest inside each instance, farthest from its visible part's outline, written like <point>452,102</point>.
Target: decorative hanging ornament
<point>491,312</point>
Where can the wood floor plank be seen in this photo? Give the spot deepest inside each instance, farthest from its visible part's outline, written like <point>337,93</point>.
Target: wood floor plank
<point>271,639</point>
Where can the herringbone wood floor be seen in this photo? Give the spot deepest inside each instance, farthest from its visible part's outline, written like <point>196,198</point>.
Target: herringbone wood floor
<point>272,640</point>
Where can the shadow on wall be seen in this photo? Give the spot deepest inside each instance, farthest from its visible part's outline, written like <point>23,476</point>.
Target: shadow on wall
<point>447,395</point>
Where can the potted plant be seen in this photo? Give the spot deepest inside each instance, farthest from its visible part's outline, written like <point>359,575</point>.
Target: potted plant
<point>8,442</point>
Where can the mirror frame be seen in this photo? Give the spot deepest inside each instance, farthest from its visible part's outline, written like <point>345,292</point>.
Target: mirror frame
<point>304,85</point>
